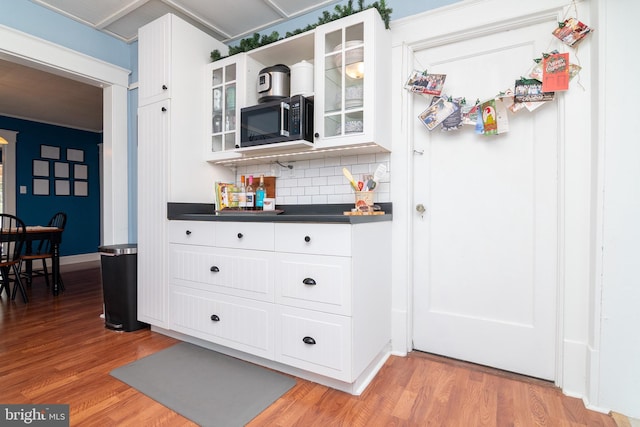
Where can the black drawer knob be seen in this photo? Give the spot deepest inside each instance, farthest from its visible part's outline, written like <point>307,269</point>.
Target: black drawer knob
<point>307,239</point>
<point>164,109</point>
<point>215,318</point>
<point>188,232</point>
<point>164,87</point>
<point>214,269</point>
<point>309,281</point>
<point>308,340</point>
<point>240,236</point>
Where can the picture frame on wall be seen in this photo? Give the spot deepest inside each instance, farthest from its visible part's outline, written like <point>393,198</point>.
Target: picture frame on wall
<point>61,169</point>
<point>62,187</point>
<point>80,188</point>
<point>40,168</point>
<point>50,152</point>
<point>74,155</point>
<point>80,172</point>
<point>40,187</point>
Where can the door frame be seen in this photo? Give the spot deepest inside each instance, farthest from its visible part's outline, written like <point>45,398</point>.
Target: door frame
<point>38,53</point>
<point>408,39</point>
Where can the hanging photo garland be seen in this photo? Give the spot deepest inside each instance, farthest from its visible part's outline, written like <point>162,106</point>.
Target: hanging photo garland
<point>549,74</point>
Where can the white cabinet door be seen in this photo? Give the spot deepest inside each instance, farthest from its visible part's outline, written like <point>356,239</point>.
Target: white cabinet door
<point>352,81</point>
<point>192,232</point>
<point>238,323</point>
<point>154,61</point>
<point>153,131</point>
<point>316,282</point>
<point>242,273</point>
<point>317,342</point>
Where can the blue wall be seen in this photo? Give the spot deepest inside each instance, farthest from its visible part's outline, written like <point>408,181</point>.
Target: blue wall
<point>82,233</point>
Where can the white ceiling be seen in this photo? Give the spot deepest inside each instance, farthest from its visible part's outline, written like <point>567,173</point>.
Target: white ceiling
<point>35,95</point>
<point>224,19</point>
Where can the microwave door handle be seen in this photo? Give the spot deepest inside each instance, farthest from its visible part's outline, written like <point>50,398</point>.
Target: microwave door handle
<point>284,119</point>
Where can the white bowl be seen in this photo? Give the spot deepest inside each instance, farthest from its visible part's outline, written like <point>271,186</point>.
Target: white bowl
<point>351,55</point>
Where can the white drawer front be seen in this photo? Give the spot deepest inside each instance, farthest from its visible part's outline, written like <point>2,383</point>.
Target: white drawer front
<point>238,323</point>
<point>236,272</point>
<point>316,282</point>
<point>245,235</point>
<point>328,347</point>
<point>322,239</point>
<point>192,232</point>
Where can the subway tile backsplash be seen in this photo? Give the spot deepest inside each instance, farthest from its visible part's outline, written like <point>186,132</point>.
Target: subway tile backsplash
<point>320,181</point>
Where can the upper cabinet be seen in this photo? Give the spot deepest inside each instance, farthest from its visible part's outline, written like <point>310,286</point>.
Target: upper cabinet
<point>351,91</point>
<point>227,81</point>
<point>352,78</point>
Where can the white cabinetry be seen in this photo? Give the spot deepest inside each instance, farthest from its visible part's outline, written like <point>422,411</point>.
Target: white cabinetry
<point>311,297</point>
<point>172,96</point>
<point>227,79</point>
<point>353,82</point>
<point>352,86</point>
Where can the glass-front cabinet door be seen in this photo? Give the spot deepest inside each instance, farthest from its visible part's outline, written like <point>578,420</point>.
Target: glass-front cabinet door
<point>352,78</point>
<point>223,116</point>
<point>344,78</point>
<point>231,83</point>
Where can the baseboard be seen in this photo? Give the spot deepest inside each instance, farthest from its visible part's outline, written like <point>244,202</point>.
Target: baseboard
<point>575,365</point>
<point>81,258</point>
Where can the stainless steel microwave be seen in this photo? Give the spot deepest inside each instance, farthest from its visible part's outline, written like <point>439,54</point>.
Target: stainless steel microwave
<point>288,119</point>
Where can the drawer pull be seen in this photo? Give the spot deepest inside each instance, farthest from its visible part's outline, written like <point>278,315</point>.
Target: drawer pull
<point>307,239</point>
<point>308,340</point>
<point>215,318</point>
<point>188,232</point>
<point>240,236</point>
<point>309,281</point>
<point>214,269</point>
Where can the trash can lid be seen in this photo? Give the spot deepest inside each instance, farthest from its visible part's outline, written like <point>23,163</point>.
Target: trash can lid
<point>122,249</point>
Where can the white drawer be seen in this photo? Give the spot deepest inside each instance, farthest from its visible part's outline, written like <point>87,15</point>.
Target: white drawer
<point>313,341</point>
<point>317,282</point>
<point>238,323</point>
<point>322,239</point>
<point>245,235</point>
<point>192,232</point>
<point>243,273</point>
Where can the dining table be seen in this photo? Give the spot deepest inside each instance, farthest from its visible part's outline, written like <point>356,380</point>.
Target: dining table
<point>35,233</point>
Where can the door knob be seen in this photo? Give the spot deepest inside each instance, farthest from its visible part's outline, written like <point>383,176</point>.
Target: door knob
<point>421,209</point>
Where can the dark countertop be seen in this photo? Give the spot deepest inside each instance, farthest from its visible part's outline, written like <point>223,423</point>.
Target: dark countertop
<point>330,213</point>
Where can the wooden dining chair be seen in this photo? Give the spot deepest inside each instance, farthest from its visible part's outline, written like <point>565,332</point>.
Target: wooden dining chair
<point>43,252</point>
<point>12,236</point>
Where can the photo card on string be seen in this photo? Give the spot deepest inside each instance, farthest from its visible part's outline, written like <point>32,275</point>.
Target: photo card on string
<point>571,31</point>
<point>437,112</point>
<point>426,84</point>
<point>555,72</point>
<point>494,117</point>
<point>530,90</point>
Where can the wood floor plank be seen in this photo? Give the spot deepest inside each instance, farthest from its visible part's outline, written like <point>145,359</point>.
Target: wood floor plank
<point>56,350</point>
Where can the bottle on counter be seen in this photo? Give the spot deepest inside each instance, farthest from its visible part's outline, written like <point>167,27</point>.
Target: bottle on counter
<point>233,196</point>
<point>250,194</point>
<point>261,192</point>
<point>242,194</point>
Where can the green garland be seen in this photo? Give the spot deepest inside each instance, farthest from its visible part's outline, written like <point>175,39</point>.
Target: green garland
<point>256,40</point>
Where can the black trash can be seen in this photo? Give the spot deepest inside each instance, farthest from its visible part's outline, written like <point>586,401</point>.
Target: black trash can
<point>120,287</point>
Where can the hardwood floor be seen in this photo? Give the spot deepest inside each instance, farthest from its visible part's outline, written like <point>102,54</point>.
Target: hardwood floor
<point>56,350</point>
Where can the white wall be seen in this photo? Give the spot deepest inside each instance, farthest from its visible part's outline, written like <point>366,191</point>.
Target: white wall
<point>617,385</point>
